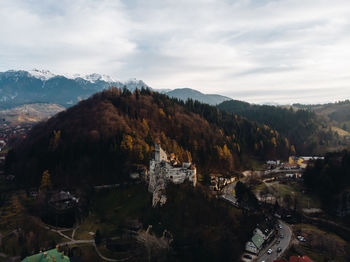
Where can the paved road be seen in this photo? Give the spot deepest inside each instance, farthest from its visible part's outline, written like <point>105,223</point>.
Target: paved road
<point>284,243</point>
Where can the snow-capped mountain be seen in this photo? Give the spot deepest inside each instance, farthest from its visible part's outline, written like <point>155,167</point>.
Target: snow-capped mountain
<point>92,77</point>
<point>41,74</point>
<point>42,86</point>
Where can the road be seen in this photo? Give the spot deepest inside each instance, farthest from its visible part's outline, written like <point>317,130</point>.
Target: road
<point>284,243</point>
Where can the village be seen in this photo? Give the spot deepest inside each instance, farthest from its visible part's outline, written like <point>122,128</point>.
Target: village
<point>269,241</point>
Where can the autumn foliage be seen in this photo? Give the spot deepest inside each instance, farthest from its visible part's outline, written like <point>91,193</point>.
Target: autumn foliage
<point>103,138</point>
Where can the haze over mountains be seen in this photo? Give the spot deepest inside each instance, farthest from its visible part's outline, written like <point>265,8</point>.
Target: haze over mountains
<point>30,96</point>
<point>41,86</point>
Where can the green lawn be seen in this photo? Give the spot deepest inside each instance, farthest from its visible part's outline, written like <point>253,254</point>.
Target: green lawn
<point>312,229</point>
<point>294,190</point>
<point>319,244</point>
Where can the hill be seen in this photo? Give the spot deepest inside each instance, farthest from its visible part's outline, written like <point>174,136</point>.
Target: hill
<point>309,132</point>
<point>30,113</point>
<point>101,139</point>
<point>337,114</point>
<point>330,180</point>
<point>188,93</point>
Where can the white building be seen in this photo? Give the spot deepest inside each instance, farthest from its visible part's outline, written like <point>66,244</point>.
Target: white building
<point>161,172</point>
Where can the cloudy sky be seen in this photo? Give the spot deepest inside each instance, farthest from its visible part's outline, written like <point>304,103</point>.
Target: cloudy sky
<point>259,51</point>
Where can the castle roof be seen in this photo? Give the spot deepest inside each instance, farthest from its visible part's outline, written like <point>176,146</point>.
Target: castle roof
<point>52,255</point>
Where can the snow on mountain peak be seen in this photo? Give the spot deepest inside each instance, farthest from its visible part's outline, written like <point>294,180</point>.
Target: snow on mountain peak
<point>41,74</point>
<point>92,77</point>
<point>97,77</point>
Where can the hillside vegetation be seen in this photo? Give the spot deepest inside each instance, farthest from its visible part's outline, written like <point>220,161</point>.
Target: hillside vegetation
<point>102,139</point>
<point>30,113</point>
<point>307,131</point>
<point>338,114</point>
<point>330,179</point>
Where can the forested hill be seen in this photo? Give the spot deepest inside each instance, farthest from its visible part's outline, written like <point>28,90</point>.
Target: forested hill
<point>337,114</point>
<point>102,138</point>
<point>309,132</point>
<point>330,180</point>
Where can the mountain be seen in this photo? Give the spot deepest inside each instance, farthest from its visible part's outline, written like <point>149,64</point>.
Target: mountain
<point>41,86</point>
<point>307,131</point>
<point>187,93</point>
<point>30,113</point>
<point>103,138</point>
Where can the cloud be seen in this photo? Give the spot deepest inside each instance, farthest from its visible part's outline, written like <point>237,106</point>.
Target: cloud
<point>264,49</point>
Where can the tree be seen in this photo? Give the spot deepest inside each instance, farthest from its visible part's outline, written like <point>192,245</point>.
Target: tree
<point>12,213</point>
<point>55,139</point>
<point>240,191</point>
<point>287,200</point>
<point>206,178</point>
<point>276,206</point>
<point>97,237</point>
<point>45,184</point>
<point>292,149</point>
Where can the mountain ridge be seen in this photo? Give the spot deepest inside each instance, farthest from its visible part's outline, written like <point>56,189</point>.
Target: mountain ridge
<point>20,87</point>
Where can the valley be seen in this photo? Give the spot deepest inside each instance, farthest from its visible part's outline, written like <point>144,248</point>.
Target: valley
<point>82,179</point>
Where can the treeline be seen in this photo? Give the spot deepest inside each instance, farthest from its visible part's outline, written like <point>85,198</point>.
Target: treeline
<point>330,178</point>
<point>103,138</point>
<point>303,128</point>
<point>204,229</point>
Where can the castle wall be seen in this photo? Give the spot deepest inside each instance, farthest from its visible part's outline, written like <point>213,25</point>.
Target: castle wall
<point>162,172</point>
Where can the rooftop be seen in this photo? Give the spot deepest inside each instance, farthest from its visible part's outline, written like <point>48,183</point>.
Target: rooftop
<point>257,240</point>
<point>52,255</point>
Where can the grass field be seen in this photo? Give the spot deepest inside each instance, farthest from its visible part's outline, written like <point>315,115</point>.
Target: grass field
<point>293,189</point>
<point>320,245</point>
<point>341,132</point>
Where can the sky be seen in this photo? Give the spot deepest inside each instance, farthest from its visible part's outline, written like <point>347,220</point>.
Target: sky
<point>260,51</point>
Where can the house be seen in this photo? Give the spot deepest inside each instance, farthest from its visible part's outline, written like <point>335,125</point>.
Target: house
<point>303,161</point>
<point>296,259</point>
<point>250,247</point>
<point>261,235</point>
<point>300,259</point>
<point>63,200</point>
<point>218,182</point>
<point>53,255</point>
<point>289,166</point>
<point>266,228</point>
<point>273,162</point>
<point>258,241</point>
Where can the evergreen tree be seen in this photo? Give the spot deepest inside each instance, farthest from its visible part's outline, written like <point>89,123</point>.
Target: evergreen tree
<point>45,184</point>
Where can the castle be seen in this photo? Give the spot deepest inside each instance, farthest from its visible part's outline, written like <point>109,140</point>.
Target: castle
<point>163,170</point>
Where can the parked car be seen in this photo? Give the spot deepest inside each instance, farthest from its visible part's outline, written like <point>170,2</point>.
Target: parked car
<point>269,251</point>
<point>301,238</point>
<point>247,256</point>
<point>279,249</point>
<point>281,236</point>
<point>277,242</point>
<point>280,226</point>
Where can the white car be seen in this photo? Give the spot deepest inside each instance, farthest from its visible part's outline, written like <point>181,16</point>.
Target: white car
<point>269,251</point>
<point>301,238</point>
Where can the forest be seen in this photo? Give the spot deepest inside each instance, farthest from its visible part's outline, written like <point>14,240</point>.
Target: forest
<point>308,132</point>
<point>104,138</point>
<point>330,180</point>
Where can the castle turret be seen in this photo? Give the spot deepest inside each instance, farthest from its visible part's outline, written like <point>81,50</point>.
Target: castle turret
<point>159,154</point>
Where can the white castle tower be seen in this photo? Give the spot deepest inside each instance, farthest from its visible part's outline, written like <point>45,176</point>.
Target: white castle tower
<point>161,172</point>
